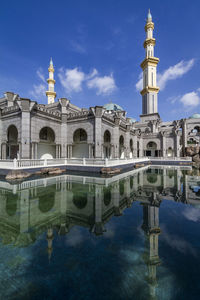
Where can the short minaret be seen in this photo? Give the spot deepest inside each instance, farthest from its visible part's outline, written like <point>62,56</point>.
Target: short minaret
<point>149,65</point>
<point>51,94</point>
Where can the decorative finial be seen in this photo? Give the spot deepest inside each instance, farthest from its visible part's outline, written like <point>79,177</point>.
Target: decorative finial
<point>149,16</point>
<point>51,62</point>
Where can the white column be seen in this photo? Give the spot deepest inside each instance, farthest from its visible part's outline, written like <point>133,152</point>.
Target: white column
<point>36,150</point>
<point>177,145</point>
<point>135,146</point>
<point>141,147</point>
<point>164,150</point>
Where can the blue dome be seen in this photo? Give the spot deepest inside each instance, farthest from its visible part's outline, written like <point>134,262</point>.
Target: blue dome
<point>112,106</point>
<point>195,116</point>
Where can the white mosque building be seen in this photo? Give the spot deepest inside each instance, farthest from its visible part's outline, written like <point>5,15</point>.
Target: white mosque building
<point>60,129</point>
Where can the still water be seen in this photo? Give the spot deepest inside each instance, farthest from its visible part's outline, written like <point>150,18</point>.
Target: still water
<point>132,236</point>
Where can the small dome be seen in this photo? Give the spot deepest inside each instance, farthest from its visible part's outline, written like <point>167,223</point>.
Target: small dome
<point>112,106</point>
<point>133,120</point>
<point>195,116</point>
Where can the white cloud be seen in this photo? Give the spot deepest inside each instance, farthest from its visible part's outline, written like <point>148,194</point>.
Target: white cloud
<point>139,84</point>
<point>71,79</point>
<point>191,99</point>
<point>77,47</point>
<point>93,73</point>
<point>38,90</point>
<point>105,85</point>
<point>40,74</point>
<point>171,73</point>
<point>174,99</point>
<point>174,72</point>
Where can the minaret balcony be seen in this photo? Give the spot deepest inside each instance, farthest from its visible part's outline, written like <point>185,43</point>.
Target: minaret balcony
<point>51,69</point>
<point>151,41</point>
<point>149,25</point>
<point>150,89</point>
<point>50,93</point>
<point>50,80</point>
<point>149,61</point>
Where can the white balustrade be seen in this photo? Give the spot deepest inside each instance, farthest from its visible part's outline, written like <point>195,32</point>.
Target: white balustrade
<point>36,163</point>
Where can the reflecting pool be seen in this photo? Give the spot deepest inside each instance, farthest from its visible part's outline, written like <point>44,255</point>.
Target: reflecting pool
<point>133,236</point>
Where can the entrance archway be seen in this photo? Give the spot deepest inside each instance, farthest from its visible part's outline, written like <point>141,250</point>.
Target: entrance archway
<point>107,145</point>
<point>46,146</point>
<point>151,149</point>
<point>12,144</point>
<point>80,147</point>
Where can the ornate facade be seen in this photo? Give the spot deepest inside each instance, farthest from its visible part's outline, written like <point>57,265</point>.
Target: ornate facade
<point>30,130</point>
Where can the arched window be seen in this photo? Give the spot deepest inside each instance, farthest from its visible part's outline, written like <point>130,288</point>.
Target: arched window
<point>12,134</point>
<point>107,137</point>
<point>47,135</point>
<point>151,145</point>
<point>12,144</point>
<point>131,144</point>
<point>121,140</point>
<point>80,135</point>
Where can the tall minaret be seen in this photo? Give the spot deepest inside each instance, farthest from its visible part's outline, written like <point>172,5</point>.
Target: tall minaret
<point>149,65</point>
<point>51,94</point>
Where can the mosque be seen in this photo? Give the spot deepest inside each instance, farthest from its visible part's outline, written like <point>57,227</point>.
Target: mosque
<point>60,129</point>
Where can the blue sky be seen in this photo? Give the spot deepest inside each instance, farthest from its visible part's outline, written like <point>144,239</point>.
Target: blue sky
<point>97,48</point>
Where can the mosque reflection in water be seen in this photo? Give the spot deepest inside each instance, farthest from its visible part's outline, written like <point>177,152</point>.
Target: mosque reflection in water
<point>56,204</point>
